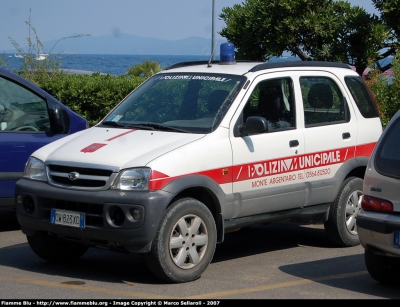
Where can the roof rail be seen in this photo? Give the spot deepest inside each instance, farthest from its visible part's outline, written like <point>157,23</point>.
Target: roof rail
<point>191,63</point>
<point>270,65</point>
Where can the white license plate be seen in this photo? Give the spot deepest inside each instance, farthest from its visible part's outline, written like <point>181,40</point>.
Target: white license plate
<point>68,218</point>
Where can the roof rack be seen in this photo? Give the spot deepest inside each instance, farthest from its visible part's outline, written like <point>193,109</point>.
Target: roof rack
<point>191,63</point>
<point>270,65</point>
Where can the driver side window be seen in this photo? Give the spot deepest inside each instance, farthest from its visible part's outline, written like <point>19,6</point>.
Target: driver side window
<point>21,110</point>
<point>274,100</point>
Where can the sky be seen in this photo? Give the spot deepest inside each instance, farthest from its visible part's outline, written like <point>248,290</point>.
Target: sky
<point>164,19</point>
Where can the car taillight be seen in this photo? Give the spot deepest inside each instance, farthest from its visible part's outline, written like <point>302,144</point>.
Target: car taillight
<point>370,203</point>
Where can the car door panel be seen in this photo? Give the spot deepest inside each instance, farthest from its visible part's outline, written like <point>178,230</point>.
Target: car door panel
<point>267,177</point>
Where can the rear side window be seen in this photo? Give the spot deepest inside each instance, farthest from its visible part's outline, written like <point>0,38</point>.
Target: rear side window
<point>361,96</point>
<point>387,158</point>
<point>323,102</point>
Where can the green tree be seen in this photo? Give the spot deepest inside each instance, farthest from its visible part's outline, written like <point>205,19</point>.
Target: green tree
<point>322,30</point>
<point>145,69</point>
<point>390,15</point>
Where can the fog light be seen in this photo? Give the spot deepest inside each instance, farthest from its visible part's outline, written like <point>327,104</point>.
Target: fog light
<point>136,214</point>
<point>117,215</point>
<point>19,199</point>
<point>28,204</point>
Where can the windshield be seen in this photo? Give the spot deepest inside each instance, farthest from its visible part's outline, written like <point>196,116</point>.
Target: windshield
<point>193,103</point>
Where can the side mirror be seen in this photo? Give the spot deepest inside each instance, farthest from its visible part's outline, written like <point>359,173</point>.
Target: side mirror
<point>254,125</point>
<point>57,120</point>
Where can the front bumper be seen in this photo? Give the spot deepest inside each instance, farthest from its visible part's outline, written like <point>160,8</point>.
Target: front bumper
<point>129,233</point>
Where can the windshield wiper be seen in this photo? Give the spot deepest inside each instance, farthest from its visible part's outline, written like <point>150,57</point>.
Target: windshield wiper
<point>145,126</point>
<point>152,126</point>
<point>111,123</point>
<point>116,124</point>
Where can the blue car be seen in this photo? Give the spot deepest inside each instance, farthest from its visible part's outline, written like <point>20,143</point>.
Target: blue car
<point>29,118</point>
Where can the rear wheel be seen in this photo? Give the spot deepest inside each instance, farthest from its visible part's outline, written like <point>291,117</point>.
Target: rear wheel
<point>51,248</point>
<point>384,269</point>
<point>185,242</point>
<point>341,226</point>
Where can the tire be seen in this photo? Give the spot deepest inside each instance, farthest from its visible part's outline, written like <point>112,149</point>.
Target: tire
<point>51,248</point>
<point>341,227</point>
<point>185,242</point>
<point>383,269</point>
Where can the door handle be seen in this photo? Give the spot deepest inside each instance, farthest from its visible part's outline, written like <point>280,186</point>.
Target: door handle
<point>346,135</point>
<point>293,143</point>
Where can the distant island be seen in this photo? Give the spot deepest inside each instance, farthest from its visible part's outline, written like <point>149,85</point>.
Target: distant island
<point>130,44</point>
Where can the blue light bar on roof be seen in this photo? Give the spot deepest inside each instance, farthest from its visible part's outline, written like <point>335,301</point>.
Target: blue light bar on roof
<point>227,54</point>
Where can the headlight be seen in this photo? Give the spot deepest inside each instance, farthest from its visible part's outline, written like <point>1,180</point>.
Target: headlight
<point>133,179</point>
<point>35,169</point>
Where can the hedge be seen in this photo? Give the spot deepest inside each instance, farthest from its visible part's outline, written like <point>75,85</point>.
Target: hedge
<point>91,96</point>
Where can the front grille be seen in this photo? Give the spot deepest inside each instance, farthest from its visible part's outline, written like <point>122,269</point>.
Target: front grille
<point>79,182</point>
<point>86,178</point>
<point>83,170</point>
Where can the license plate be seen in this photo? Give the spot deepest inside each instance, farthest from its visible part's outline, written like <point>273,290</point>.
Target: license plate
<point>396,236</point>
<point>68,218</point>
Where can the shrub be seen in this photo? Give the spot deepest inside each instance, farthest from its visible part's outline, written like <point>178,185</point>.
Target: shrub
<point>91,96</point>
<point>386,91</point>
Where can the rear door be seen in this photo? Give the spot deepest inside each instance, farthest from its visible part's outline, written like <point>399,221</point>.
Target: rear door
<point>330,134</point>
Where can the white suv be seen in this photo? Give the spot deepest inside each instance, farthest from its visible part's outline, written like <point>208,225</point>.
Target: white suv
<point>201,149</point>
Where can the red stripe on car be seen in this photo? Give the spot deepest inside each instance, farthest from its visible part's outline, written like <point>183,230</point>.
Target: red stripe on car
<point>259,169</point>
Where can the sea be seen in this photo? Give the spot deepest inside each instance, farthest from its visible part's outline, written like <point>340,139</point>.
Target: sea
<point>114,64</point>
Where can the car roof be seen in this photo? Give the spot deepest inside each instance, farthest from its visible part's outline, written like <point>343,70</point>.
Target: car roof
<point>10,75</point>
<point>243,67</point>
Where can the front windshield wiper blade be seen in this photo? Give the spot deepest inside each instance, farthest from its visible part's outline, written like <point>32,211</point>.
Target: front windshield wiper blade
<point>146,126</point>
<point>116,124</point>
<point>157,127</point>
<point>111,123</point>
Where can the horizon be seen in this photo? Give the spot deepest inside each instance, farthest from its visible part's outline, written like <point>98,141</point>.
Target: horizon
<point>54,20</point>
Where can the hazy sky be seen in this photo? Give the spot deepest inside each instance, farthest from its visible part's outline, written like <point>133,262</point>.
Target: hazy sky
<point>165,19</point>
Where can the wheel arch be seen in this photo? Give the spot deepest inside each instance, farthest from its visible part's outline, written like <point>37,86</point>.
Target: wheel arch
<point>359,169</point>
<point>205,190</point>
<point>352,168</point>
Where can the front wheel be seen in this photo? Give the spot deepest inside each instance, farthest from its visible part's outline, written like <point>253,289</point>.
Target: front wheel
<point>185,242</point>
<point>51,248</point>
<point>341,226</point>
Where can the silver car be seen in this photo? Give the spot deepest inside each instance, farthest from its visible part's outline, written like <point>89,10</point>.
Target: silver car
<point>378,221</point>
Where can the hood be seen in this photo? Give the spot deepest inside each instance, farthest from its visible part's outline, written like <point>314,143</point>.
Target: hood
<point>114,147</point>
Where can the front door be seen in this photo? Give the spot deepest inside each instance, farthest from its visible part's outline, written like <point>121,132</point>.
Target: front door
<point>267,176</point>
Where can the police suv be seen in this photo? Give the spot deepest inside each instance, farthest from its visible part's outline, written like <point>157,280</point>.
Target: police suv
<point>201,149</point>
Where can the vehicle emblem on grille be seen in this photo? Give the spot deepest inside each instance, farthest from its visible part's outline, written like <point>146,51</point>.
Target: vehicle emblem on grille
<point>73,176</point>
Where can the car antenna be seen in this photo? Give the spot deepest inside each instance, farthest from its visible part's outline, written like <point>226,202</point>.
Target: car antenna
<point>212,55</point>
